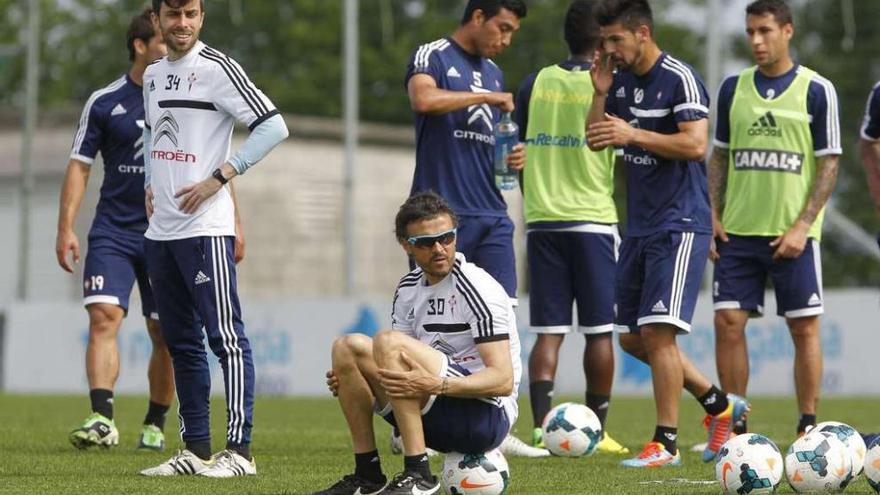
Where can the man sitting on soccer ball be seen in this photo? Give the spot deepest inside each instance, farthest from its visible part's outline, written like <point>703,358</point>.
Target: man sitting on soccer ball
<point>446,375</point>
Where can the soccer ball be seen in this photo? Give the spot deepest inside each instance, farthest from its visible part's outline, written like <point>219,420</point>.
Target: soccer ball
<point>818,463</point>
<point>571,430</point>
<point>475,474</point>
<point>872,465</point>
<point>854,442</point>
<point>749,463</point>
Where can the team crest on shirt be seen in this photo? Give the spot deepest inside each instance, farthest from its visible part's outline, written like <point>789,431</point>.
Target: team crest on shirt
<point>191,80</point>
<point>639,95</point>
<point>452,303</point>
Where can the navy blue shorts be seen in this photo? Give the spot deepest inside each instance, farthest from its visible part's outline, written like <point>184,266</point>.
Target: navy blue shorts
<point>454,424</point>
<point>572,265</point>
<point>741,277</point>
<point>113,263</point>
<point>488,243</point>
<point>658,279</point>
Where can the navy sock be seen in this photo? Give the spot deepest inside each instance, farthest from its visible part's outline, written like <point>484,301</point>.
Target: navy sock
<point>417,464</point>
<point>102,402</point>
<point>714,401</point>
<point>667,436</point>
<point>540,395</point>
<point>156,415</point>
<point>599,405</point>
<point>243,449</point>
<point>368,466</point>
<point>805,421</point>
<point>202,450</point>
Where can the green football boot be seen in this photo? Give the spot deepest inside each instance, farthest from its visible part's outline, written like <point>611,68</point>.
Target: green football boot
<point>97,430</point>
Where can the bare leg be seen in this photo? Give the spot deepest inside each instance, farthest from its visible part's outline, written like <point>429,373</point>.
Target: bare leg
<point>354,366</point>
<point>160,373</point>
<point>388,347</point>
<point>102,352</point>
<point>545,357</point>
<point>731,350</point>
<point>694,381</point>
<point>599,363</point>
<point>666,370</point>
<point>807,362</point>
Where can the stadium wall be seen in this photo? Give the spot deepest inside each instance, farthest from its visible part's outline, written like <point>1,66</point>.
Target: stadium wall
<point>45,345</point>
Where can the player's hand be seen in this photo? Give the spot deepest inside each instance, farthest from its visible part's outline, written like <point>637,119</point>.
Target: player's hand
<point>64,243</point>
<point>613,131</point>
<point>333,383</point>
<point>191,197</point>
<point>718,234</point>
<point>239,243</point>
<point>412,384</point>
<point>792,243</point>
<point>504,101</point>
<point>148,202</point>
<point>601,72</point>
<point>516,160</point>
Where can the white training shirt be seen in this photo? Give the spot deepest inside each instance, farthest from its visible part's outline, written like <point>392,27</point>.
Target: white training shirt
<point>466,308</point>
<point>191,106</point>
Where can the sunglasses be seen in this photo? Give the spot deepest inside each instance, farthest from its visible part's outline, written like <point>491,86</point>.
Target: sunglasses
<point>428,241</point>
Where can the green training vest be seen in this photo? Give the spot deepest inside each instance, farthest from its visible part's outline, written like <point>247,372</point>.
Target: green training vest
<point>772,166</point>
<point>564,181</point>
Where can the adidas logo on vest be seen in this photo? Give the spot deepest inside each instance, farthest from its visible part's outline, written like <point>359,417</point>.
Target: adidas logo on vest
<point>766,125</point>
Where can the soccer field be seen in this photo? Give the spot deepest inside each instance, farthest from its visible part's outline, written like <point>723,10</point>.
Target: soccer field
<point>301,445</point>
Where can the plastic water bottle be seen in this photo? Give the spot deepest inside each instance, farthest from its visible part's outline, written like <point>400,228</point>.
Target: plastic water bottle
<point>506,137</point>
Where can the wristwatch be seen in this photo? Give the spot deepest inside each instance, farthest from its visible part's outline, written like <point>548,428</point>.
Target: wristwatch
<point>219,176</point>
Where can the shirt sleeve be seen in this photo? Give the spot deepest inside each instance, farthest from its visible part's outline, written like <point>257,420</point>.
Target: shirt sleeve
<point>235,94</point>
<point>523,99</point>
<point>426,60</point>
<point>488,309</point>
<point>722,122</point>
<point>823,109</point>
<point>89,133</point>
<point>690,99</point>
<point>400,308</point>
<point>871,125</point>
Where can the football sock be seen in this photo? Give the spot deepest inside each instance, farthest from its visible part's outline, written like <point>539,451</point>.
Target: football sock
<point>740,427</point>
<point>202,450</point>
<point>417,464</point>
<point>805,421</point>
<point>714,401</point>
<point>156,415</point>
<point>368,466</point>
<point>243,449</point>
<point>102,402</point>
<point>599,405</point>
<point>540,395</point>
<point>667,436</point>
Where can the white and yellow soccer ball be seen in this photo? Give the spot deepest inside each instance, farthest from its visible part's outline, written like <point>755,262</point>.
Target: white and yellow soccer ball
<point>854,442</point>
<point>571,430</point>
<point>817,462</point>
<point>872,465</point>
<point>475,474</point>
<point>749,463</point>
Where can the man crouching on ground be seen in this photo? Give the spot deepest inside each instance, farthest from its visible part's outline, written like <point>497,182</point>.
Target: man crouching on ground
<point>447,373</point>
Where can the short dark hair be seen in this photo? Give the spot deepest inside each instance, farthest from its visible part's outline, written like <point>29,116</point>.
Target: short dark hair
<point>491,8</point>
<point>780,10</point>
<point>630,13</point>
<point>140,28</point>
<point>581,30</point>
<point>174,4</point>
<point>421,206</point>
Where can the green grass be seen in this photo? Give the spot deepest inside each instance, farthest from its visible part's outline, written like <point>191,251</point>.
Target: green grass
<point>302,445</point>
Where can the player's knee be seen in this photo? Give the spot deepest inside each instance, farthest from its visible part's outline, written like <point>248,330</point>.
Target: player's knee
<point>387,344</point>
<point>804,330</point>
<point>349,347</point>
<point>104,320</point>
<point>729,323</point>
<point>154,330</point>
<point>631,344</point>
